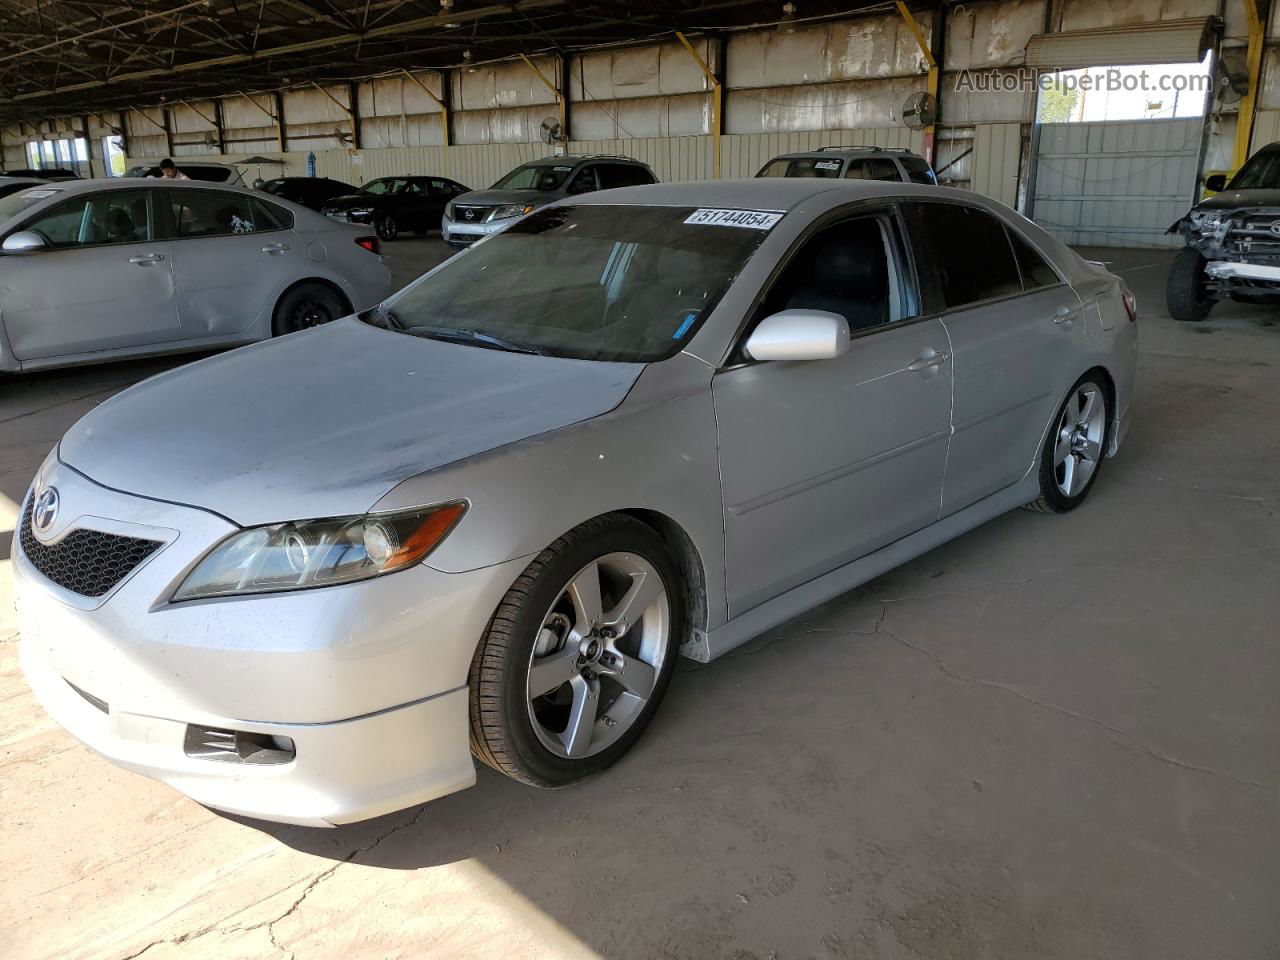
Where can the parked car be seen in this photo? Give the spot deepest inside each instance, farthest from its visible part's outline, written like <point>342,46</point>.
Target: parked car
<point>392,204</point>
<point>203,171</point>
<point>853,163</point>
<point>1233,241</point>
<point>302,581</point>
<point>529,186</point>
<point>49,173</point>
<point>103,269</point>
<point>312,192</point>
<point>10,185</point>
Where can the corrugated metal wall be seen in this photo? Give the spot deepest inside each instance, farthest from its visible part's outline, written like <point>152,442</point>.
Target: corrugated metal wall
<point>997,155</point>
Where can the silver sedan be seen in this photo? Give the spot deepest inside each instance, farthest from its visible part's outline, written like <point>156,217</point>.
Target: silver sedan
<point>94,270</point>
<point>486,516</point>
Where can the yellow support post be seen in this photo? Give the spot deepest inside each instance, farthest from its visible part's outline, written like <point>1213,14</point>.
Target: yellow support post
<point>717,96</point>
<point>1244,120</point>
<point>555,91</point>
<point>932,81</point>
<point>444,114</point>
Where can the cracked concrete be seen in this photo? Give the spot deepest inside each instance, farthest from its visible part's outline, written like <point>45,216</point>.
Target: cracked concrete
<point>1056,737</point>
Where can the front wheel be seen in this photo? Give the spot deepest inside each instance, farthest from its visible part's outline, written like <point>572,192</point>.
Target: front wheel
<point>1074,449</point>
<point>1185,292</point>
<point>578,655</point>
<point>386,228</point>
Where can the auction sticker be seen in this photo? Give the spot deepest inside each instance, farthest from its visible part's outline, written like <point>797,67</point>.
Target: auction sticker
<point>751,219</point>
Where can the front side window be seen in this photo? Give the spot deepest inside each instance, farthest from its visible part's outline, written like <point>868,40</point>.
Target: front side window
<point>121,216</point>
<point>535,176</point>
<point>584,181</point>
<point>843,269</point>
<point>970,253</point>
<point>877,168</point>
<point>206,213</point>
<point>823,167</point>
<point>624,283</point>
<point>382,187</point>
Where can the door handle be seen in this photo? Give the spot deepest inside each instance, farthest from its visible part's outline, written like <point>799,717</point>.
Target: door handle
<point>929,361</point>
<point>1065,316</point>
<point>275,248</point>
<point>147,258</point>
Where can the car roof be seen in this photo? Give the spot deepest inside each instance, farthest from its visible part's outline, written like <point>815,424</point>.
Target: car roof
<point>760,193</point>
<point>71,188</point>
<point>576,158</point>
<point>845,153</point>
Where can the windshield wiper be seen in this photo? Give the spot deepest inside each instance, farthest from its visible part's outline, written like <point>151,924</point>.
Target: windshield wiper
<point>462,335</point>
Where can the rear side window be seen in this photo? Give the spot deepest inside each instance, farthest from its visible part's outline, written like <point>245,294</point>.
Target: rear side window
<point>876,168</point>
<point>622,175</point>
<point>267,216</point>
<point>918,171</point>
<point>206,213</point>
<point>823,167</point>
<point>970,253</point>
<point>1036,272</point>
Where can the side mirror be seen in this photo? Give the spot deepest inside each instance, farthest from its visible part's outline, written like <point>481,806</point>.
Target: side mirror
<point>799,335</point>
<point>24,241</point>
<point>1217,182</point>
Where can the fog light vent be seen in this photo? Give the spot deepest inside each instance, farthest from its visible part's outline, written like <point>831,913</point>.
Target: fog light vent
<point>236,746</point>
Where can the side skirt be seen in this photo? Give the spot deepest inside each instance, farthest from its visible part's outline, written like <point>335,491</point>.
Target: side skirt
<point>707,646</point>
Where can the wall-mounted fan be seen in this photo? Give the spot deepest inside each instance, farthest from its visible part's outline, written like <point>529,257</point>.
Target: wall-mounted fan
<point>920,109</point>
<point>551,131</point>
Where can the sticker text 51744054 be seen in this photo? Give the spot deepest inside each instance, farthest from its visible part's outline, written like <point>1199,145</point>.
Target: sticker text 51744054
<point>751,219</point>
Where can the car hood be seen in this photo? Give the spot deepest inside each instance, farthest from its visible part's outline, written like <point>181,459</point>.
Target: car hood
<point>323,423</point>
<point>494,197</point>
<point>1237,199</point>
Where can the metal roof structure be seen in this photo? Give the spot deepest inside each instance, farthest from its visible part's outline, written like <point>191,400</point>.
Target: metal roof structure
<point>60,57</point>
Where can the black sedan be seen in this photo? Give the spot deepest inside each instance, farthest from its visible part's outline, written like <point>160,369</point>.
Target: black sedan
<point>312,192</point>
<point>393,204</point>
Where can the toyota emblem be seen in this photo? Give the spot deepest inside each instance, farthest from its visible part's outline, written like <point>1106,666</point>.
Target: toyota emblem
<point>46,509</point>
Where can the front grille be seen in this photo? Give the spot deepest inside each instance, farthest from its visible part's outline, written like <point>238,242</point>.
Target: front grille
<point>87,562</point>
<point>1251,235</point>
<point>470,214</point>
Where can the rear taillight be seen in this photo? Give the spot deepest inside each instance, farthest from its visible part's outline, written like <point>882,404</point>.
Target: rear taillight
<point>1130,305</point>
<point>372,244</point>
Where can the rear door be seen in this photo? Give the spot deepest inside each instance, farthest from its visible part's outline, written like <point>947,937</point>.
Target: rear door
<point>872,168</point>
<point>825,461</point>
<point>105,281</point>
<point>232,253</point>
<point>1012,323</point>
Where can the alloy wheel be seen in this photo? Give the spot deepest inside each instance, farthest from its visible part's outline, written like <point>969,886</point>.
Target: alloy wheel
<point>598,655</point>
<point>1078,447</point>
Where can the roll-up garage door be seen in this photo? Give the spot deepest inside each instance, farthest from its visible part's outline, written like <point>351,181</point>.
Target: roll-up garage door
<point>1171,41</point>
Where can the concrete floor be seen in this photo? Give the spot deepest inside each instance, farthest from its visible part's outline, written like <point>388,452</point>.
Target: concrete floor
<point>1053,737</point>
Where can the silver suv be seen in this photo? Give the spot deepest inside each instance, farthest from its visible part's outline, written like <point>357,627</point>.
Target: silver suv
<point>853,163</point>
<point>478,214</point>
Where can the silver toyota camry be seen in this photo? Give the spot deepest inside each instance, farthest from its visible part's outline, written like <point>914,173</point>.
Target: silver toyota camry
<point>310,579</point>
<point>94,270</point>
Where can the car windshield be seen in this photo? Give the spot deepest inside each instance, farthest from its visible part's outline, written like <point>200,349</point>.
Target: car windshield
<point>802,167</point>
<point>1262,172</point>
<point>535,176</point>
<point>15,203</point>
<point>623,283</point>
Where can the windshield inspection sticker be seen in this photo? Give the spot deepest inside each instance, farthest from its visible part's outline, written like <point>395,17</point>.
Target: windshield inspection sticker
<point>751,219</point>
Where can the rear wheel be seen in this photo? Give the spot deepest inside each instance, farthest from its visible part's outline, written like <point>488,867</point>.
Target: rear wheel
<point>578,655</point>
<point>1074,449</point>
<point>307,305</point>
<point>1185,292</point>
<point>386,227</point>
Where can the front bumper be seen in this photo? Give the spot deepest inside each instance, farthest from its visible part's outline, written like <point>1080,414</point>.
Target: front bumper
<point>459,232</point>
<point>368,679</point>
<point>1235,270</point>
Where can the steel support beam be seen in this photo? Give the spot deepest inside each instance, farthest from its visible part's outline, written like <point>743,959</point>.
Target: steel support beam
<point>932,80</point>
<point>556,92</point>
<point>444,109</point>
<point>717,102</point>
<point>1249,102</point>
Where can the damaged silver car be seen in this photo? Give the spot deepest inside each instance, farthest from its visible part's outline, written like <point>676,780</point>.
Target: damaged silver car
<point>1233,242</point>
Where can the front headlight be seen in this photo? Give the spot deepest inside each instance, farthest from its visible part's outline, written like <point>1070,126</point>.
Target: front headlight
<point>1205,221</point>
<point>448,209</point>
<point>512,210</point>
<point>319,553</point>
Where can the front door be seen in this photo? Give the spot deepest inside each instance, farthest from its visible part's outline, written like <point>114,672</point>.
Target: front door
<point>823,462</point>
<point>104,281</point>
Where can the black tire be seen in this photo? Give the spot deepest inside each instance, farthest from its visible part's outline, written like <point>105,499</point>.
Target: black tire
<point>307,305</point>
<point>386,228</point>
<point>502,732</point>
<point>1052,499</point>
<point>1185,292</point>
